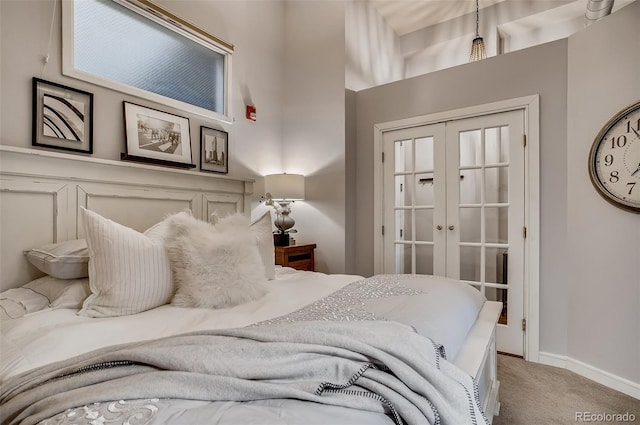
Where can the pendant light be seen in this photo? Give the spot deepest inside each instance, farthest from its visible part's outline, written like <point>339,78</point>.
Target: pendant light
<point>477,46</point>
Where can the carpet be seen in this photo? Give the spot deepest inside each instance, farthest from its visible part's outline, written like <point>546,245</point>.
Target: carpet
<point>536,394</point>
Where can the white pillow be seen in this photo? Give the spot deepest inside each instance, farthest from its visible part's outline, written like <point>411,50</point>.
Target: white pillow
<point>128,271</point>
<point>263,233</point>
<point>214,268</point>
<point>64,260</point>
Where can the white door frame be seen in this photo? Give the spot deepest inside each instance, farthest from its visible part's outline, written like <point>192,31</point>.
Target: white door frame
<point>531,107</point>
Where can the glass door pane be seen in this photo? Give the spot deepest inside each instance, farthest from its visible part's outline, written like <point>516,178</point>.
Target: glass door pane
<point>404,200</point>
<point>485,216</point>
<point>424,154</point>
<point>410,247</point>
<point>424,259</point>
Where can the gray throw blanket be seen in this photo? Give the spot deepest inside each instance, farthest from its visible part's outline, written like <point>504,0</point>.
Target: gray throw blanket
<point>372,365</point>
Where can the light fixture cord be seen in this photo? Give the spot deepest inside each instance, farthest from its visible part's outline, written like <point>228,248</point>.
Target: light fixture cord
<point>45,60</point>
<point>477,18</point>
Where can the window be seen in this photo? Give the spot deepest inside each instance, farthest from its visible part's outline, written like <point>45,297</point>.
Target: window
<point>137,47</point>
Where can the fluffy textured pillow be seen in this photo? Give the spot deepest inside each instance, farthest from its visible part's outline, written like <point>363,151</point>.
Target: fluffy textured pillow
<point>63,260</point>
<point>41,293</point>
<point>262,232</point>
<point>213,267</point>
<point>128,271</point>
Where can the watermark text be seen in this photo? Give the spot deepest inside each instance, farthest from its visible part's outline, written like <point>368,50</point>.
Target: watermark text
<point>605,417</point>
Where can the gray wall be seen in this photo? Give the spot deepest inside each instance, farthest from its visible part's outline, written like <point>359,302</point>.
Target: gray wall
<point>603,241</point>
<point>288,62</point>
<point>314,124</point>
<point>589,251</point>
<point>257,77</point>
<point>540,70</point>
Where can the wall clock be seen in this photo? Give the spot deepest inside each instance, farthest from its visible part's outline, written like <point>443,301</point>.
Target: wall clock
<point>614,161</point>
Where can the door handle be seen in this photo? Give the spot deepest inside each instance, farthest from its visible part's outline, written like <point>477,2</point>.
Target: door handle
<point>439,227</point>
<point>451,227</point>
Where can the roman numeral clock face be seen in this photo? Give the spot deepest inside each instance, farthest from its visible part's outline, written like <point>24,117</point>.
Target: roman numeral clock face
<point>614,161</point>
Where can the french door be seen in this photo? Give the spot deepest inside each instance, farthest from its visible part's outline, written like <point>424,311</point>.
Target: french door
<point>454,206</point>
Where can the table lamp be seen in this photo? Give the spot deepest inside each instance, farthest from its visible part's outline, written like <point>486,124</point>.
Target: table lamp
<point>281,190</point>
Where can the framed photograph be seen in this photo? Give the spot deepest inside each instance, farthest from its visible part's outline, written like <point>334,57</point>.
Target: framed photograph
<point>156,137</point>
<point>214,147</point>
<point>62,117</point>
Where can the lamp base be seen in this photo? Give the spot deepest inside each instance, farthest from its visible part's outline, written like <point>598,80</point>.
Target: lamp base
<point>281,239</point>
<point>283,221</point>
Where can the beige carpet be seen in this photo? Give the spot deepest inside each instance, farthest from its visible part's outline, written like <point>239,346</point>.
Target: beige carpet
<point>535,394</point>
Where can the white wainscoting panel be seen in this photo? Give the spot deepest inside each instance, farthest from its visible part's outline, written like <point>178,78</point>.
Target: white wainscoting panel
<point>41,193</point>
<point>139,207</point>
<point>30,213</point>
<point>221,204</point>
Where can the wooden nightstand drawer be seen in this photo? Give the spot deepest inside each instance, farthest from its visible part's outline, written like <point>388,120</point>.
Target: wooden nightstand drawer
<point>299,257</point>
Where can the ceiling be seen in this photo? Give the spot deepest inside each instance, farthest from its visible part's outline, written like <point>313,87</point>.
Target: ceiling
<point>405,16</point>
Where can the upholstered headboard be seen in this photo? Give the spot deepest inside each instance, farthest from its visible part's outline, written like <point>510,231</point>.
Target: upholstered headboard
<point>41,193</point>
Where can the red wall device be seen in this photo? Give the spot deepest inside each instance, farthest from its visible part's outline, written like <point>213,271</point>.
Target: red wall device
<point>251,112</point>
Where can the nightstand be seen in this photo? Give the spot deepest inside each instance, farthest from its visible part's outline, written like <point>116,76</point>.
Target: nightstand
<point>297,256</point>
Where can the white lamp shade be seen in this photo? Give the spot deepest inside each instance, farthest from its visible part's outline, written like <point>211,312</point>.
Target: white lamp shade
<point>285,186</point>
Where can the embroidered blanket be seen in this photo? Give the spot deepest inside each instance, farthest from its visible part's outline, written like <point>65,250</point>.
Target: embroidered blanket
<point>335,352</point>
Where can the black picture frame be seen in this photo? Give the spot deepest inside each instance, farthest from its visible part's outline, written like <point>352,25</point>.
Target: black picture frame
<point>62,117</point>
<point>156,137</point>
<point>214,150</point>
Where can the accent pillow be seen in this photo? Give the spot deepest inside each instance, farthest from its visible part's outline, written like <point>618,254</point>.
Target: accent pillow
<point>213,268</point>
<point>63,260</point>
<point>41,293</point>
<point>263,233</point>
<point>128,271</point>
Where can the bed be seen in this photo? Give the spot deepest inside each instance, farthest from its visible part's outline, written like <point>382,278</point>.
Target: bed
<point>302,347</point>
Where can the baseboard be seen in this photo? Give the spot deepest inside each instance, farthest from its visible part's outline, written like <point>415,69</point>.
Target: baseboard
<point>553,360</point>
<point>598,375</point>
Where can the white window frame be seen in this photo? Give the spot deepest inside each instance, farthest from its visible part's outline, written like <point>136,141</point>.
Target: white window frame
<point>173,22</point>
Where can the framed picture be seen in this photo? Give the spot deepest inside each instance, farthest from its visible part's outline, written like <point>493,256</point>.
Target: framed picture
<point>214,146</point>
<point>62,117</point>
<point>156,137</point>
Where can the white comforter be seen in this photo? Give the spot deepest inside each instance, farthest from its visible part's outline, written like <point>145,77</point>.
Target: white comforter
<point>52,335</point>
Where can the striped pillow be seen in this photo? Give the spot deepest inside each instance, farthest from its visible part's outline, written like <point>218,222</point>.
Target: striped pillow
<point>128,271</point>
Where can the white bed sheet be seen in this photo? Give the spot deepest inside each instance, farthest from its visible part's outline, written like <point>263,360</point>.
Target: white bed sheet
<point>47,336</point>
